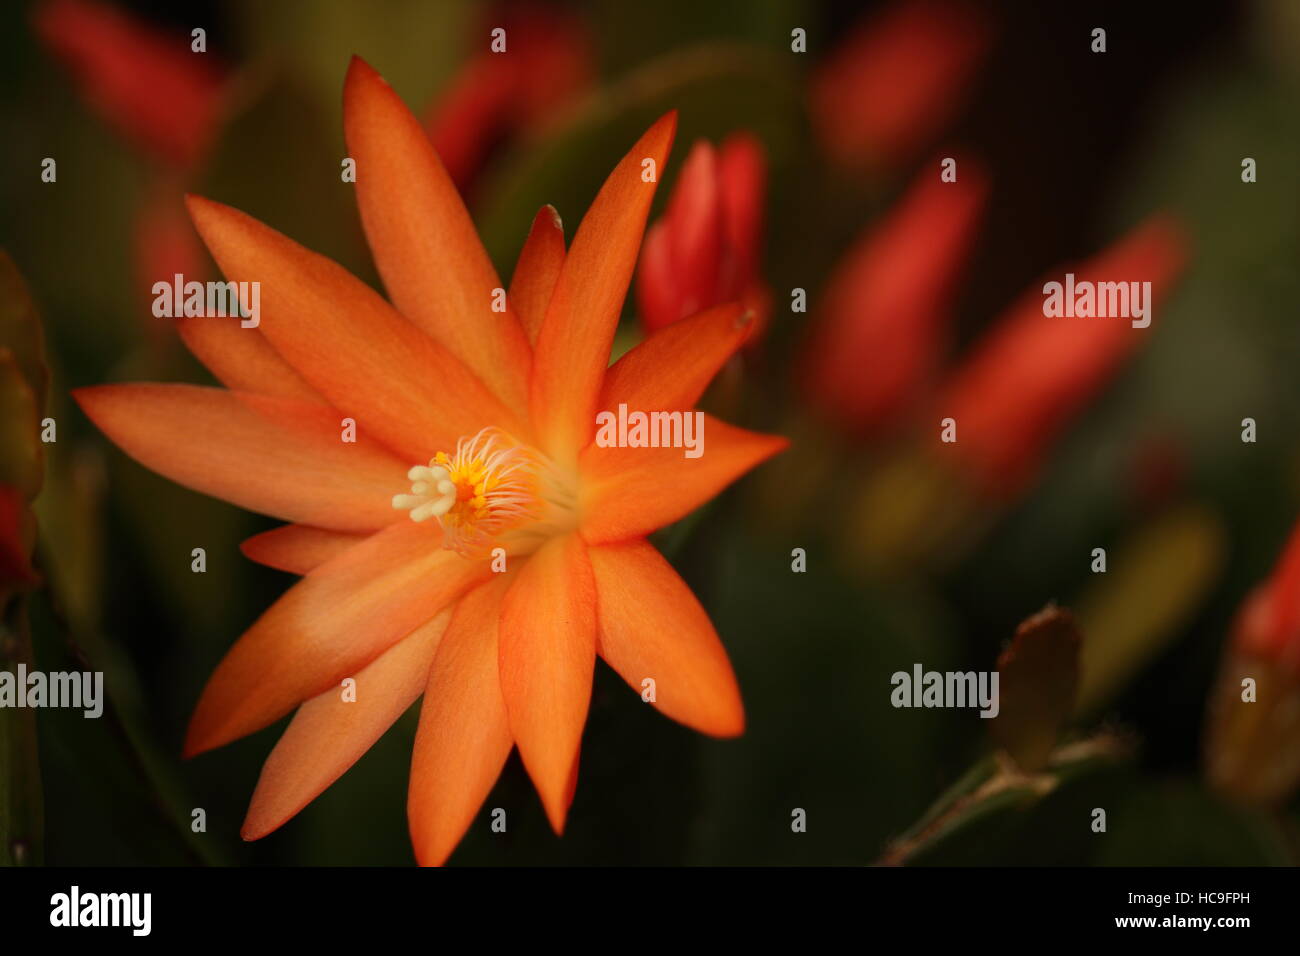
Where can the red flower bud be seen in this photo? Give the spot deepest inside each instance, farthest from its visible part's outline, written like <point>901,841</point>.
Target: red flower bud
<point>705,250</point>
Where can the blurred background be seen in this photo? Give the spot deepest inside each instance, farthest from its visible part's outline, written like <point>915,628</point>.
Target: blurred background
<point>825,151</point>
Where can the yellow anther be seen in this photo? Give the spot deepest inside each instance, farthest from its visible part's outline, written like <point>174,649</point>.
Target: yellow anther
<point>488,486</point>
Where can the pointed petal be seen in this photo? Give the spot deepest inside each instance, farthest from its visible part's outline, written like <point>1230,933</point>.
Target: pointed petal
<point>329,734</point>
<point>348,343</point>
<point>242,359</point>
<point>297,548</point>
<point>425,245</point>
<point>670,370</point>
<point>275,456</point>
<point>328,626</point>
<point>548,651</point>
<point>652,626</point>
<point>629,492</point>
<point>573,346</point>
<point>537,270</point>
<point>464,736</point>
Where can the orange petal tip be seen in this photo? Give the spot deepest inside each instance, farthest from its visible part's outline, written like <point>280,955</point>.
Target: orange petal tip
<point>360,71</point>
<point>202,208</point>
<point>669,119</point>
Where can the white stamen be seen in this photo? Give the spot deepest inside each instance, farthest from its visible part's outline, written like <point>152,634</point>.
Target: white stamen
<point>433,493</point>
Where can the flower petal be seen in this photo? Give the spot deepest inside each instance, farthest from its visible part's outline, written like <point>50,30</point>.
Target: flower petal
<point>329,734</point>
<point>671,369</point>
<point>348,343</point>
<point>652,626</point>
<point>328,626</point>
<point>629,492</point>
<point>297,548</point>
<point>464,736</point>
<point>242,359</point>
<point>426,248</point>
<point>548,652</point>
<point>275,456</point>
<point>537,269</point>
<point>573,345</point>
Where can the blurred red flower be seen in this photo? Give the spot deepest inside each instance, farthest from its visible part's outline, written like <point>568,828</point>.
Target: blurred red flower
<point>162,98</point>
<point>547,62</point>
<point>144,82</point>
<point>880,329</point>
<point>1032,373</point>
<point>896,80</point>
<point>1253,727</point>
<point>1268,625</point>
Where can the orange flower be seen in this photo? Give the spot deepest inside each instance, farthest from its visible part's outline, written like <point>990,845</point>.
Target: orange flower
<point>1033,373</point>
<point>895,80</point>
<point>474,433</point>
<point>879,336</point>
<point>704,251</point>
<point>546,63</point>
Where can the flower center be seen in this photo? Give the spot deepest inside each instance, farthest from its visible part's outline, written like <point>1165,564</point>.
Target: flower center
<point>489,487</point>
